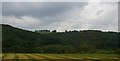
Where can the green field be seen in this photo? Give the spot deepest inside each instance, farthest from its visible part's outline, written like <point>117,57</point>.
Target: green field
<point>59,57</point>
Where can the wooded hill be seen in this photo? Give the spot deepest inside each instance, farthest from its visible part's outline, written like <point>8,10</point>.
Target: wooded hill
<point>15,40</point>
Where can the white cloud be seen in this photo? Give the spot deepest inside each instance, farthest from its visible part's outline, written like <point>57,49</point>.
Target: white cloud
<point>88,18</point>
<point>23,22</point>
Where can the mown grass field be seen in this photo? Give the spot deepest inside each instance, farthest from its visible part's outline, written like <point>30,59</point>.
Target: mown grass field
<point>58,57</point>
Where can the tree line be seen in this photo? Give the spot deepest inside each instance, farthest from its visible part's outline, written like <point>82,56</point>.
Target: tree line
<point>16,40</point>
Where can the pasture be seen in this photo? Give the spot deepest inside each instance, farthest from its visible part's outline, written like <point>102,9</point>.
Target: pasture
<point>58,57</point>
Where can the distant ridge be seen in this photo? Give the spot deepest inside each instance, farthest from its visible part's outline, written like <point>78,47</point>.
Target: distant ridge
<point>88,41</point>
<point>56,30</point>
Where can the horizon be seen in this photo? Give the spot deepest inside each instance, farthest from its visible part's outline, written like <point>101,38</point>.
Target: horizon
<point>62,31</point>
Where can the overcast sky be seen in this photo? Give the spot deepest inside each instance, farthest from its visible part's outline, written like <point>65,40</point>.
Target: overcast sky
<point>61,15</point>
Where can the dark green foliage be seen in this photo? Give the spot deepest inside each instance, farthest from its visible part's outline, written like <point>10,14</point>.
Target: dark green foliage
<point>87,41</point>
<point>54,31</point>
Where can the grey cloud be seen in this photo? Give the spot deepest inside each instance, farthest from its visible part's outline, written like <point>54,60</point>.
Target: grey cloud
<point>60,15</point>
<point>47,12</point>
<point>99,12</point>
<point>38,9</point>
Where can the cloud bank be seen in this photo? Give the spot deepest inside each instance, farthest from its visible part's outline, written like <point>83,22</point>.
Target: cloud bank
<point>60,0</point>
<point>61,15</point>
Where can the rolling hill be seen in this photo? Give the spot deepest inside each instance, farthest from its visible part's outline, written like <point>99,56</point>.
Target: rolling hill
<point>16,40</point>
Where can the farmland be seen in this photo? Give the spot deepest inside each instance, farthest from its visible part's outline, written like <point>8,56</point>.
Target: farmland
<point>58,57</point>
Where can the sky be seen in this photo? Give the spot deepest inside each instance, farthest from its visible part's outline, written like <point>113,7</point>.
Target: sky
<point>60,0</point>
<point>61,16</point>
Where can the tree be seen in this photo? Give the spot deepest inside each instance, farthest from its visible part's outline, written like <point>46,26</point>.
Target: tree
<point>54,31</point>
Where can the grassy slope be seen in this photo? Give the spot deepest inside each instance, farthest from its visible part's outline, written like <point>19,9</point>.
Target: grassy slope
<point>59,56</point>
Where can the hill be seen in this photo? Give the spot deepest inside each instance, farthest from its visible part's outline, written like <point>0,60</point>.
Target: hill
<point>88,41</point>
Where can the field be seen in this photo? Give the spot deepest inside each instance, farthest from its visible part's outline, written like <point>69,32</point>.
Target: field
<point>59,57</point>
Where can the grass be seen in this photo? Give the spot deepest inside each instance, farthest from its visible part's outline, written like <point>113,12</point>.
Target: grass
<point>58,57</point>
<point>22,56</point>
<point>9,56</point>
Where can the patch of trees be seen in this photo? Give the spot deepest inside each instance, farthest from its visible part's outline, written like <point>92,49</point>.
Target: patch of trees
<point>87,41</point>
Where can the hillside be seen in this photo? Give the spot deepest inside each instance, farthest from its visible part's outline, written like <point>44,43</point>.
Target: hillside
<point>88,41</point>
